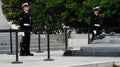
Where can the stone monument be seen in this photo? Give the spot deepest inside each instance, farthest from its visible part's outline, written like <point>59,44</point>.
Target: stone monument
<point>3,21</point>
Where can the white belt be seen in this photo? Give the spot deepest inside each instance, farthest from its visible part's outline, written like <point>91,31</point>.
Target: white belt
<point>26,24</point>
<point>97,25</point>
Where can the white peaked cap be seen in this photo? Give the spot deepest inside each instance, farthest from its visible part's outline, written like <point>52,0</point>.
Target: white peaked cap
<point>96,8</point>
<point>25,4</point>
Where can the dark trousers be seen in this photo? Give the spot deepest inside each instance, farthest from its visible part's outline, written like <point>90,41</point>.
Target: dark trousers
<point>98,32</point>
<point>25,43</point>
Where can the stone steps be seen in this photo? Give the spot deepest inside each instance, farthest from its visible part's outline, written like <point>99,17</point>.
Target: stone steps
<point>111,50</point>
<point>107,40</point>
<point>35,49</point>
<point>56,42</point>
<point>101,48</point>
<point>90,53</point>
<point>35,46</point>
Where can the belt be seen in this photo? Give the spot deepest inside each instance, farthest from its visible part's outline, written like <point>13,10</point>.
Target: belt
<point>97,25</point>
<point>26,24</point>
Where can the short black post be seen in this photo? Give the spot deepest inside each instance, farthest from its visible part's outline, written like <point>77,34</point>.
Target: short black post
<point>66,39</point>
<point>48,48</point>
<point>11,45</point>
<point>39,45</point>
<point>17,58</point>
<point>89,41</point>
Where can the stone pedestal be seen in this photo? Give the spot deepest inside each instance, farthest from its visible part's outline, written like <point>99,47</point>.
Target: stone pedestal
<point>109,46</point>
<point>3,21</point>
<point>111,50</point>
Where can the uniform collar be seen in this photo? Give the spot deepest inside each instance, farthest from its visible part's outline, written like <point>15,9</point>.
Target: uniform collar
<point>26,11</point>
<point>96,14</point>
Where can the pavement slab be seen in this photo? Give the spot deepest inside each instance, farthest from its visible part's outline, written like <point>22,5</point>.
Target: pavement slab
<point>59,60</point>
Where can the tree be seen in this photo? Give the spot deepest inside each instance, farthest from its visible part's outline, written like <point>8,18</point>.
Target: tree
<point>12,8</point>
<point>47,13</point>
<point>73,13</point>
<point>110,13</point>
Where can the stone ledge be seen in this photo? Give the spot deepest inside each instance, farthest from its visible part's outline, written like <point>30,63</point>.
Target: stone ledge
<point>91,53</point>
<point>98,64</point>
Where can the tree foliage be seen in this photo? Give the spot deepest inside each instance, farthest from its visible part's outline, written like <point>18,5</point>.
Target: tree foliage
<point>73,13</point>
<point>47,13</point>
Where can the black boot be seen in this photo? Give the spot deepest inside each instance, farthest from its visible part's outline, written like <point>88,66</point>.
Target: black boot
<point>22,50</point>
<point>30,54</point>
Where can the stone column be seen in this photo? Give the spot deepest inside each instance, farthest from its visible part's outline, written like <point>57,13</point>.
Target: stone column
<point>3,21</point>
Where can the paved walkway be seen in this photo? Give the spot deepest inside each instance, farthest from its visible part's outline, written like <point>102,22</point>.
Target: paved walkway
<point>59,60</point>
<point>77,41</point>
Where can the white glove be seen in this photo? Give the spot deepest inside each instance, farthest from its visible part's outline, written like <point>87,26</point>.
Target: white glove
<point>22,34</point>
<point>94,31</point>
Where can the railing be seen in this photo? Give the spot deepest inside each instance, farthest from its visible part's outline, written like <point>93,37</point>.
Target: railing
<point>39,45</point>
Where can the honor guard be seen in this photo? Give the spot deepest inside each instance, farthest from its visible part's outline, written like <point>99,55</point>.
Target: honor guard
<point>25,24</point>
<point>95,23</point>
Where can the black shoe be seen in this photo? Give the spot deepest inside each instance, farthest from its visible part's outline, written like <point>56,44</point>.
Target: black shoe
<point>30,54</point>
<point>92,39</point>
<point>23,54</point>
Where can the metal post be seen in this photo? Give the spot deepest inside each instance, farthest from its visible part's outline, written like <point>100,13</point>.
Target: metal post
<point>48,48</point>
<point>89,41</point>
<point>11,45</point>
<point>39,45</point>
<point>66,39</point>
<point>17,58</point>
